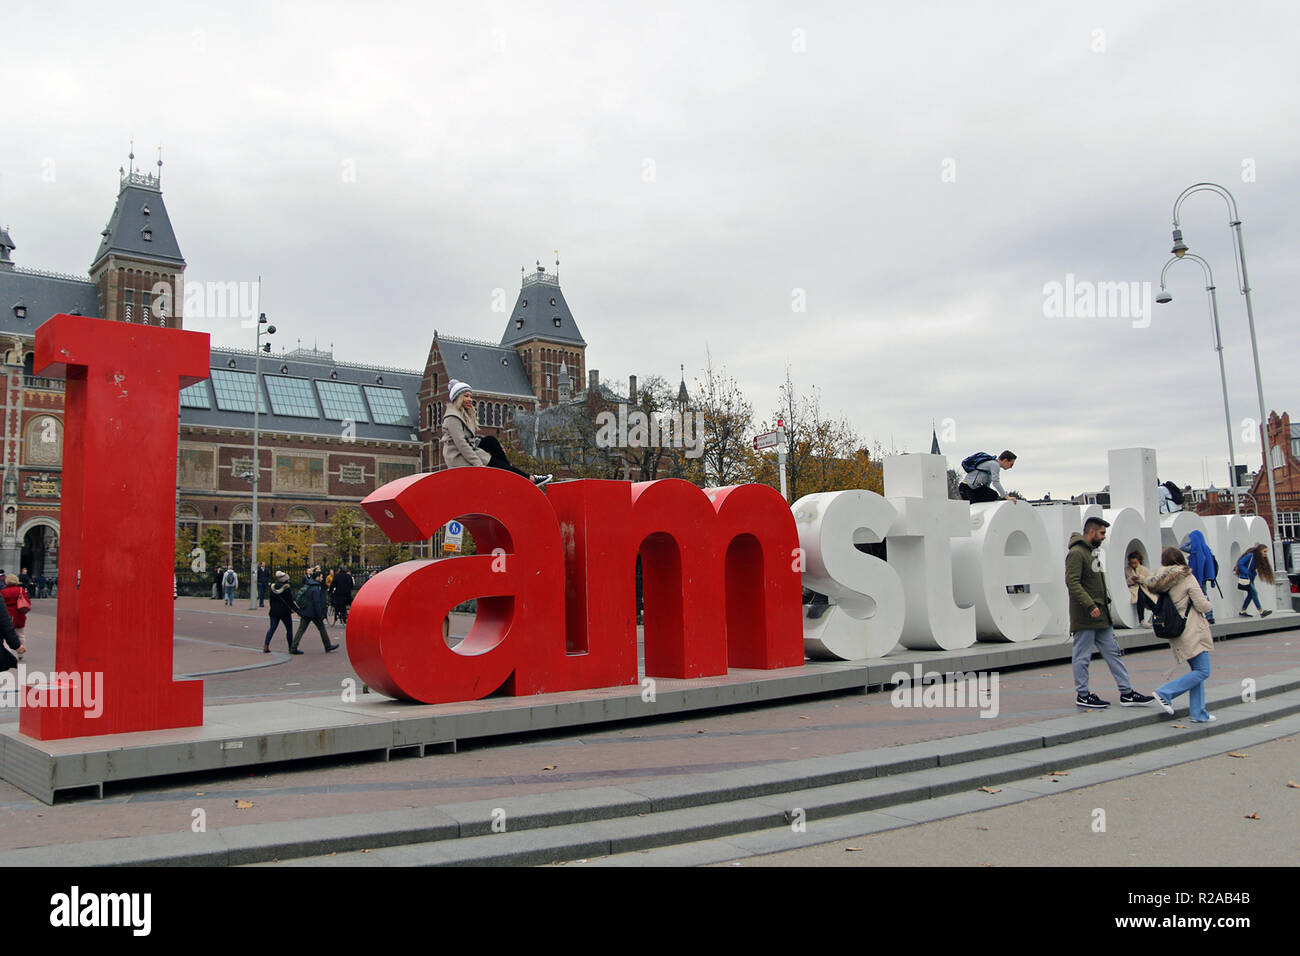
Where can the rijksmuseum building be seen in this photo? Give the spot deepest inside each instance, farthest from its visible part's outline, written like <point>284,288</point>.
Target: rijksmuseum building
<point>329,432</point>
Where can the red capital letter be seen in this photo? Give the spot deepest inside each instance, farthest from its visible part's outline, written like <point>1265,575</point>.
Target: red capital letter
<point>517,641</point>
<point>118,517</point>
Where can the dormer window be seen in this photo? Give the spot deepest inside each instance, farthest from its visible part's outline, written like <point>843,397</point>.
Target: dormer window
<point>464,356</point>
<point>552,300</point>
<point>146,233</point>
<point>144,210</point>
<point>556,320</point>
<point>525,305</point>
<point>519,322</point>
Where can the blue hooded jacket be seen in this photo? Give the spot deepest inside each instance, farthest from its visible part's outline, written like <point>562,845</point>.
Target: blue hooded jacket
<point>1201,559</point>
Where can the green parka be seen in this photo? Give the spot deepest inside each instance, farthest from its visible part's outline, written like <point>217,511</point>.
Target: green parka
<point>1086,583</point>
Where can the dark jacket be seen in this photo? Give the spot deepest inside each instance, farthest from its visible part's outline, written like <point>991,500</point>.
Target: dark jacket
<point>282,606</point>
<point>10,637</point>
<point>315,606</point>
<point>341,589</point>
<point>1087,586</point>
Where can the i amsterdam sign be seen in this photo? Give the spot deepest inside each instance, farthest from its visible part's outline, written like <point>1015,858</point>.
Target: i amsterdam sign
<point>554,575</point>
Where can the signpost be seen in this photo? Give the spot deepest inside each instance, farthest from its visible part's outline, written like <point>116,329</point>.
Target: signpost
<point>453,537</point>
<point>775,439</point>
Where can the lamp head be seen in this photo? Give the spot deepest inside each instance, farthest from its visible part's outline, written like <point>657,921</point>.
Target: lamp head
<point>1180,247</point>
<point>1164,296</point>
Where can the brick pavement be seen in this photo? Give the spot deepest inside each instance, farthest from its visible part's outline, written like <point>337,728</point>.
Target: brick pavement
<point>211,634</point>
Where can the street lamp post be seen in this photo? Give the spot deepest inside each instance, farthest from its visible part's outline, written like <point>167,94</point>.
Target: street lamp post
<point>1180,250</point>
<point>1164,297</point>
<point>257,467</point>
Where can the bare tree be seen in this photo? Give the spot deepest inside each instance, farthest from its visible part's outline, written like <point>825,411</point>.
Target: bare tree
<point>727,418</point>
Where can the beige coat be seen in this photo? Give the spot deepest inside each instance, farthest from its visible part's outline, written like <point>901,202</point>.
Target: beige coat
<point>1138,573</point>
<point>1191,602</point>
<point>459,443</point>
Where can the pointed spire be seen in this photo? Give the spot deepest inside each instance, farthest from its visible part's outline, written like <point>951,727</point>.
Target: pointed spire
<point>934,441</point>
<point>682,395</point>
<point>160,166</point>
<point>6,246</point>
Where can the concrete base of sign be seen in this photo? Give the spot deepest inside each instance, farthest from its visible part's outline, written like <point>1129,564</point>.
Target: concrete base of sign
<point>242,735</point>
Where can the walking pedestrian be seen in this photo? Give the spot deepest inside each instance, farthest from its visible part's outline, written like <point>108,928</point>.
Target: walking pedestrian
<point>1204,565</point>
<point>1195,643</point>
<point>17,603</point>
<point>229,582</point>
<point>981,482</point>
<point>1090,623</point>
<point>340,592</point>
<point>1254,563</point>
<point>312,608</point>
<point>461,445</point>
<point>281,612</point>
<point>10,637</point>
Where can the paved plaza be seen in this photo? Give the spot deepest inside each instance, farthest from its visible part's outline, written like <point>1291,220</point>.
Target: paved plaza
<point>224,644</point>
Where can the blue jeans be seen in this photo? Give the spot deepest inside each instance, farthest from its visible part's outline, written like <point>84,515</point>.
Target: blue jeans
<point>1251,595</point>
<point>230,596</point>
<point>1193,683</point>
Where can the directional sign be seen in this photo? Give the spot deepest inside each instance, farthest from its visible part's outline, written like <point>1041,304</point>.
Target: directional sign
<point>767,440</point>
<point>451,541</point>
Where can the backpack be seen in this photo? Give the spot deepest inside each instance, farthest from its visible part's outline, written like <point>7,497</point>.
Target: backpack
<point>971,462</point>
<point>1174,492</point>
<point>1166,621</point>
<point>229,580</point>
<point>301,597</point>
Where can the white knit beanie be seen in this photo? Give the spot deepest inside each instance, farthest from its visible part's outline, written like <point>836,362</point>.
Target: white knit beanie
<point>456,389</point>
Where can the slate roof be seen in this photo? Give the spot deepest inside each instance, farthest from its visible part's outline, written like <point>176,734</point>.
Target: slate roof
<point>540,312</point>
<point>487,368</point>
<point>45,294</point>
<point>124,234</point>
<point>311,370</point>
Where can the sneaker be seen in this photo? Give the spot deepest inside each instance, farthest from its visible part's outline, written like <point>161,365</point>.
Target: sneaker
<point>1208,718</point>
<point>1134,699</point>
<point>1265,613</point>
<point>1246,614</point>
<point>540,480</point>
<point>1164,705</point>
<point>1092,701</point>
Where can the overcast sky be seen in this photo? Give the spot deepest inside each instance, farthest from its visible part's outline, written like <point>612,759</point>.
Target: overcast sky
<point>915,173</point>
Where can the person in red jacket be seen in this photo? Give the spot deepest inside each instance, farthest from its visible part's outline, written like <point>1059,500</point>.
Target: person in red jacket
<point>13,592</point>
